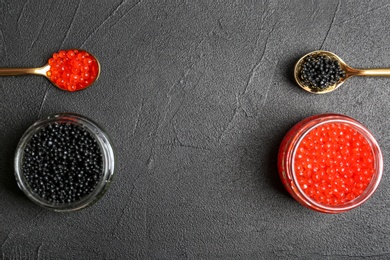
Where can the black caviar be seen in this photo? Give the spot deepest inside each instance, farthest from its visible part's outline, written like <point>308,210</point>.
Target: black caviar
<point>320,71</point>
<point>62,163</point>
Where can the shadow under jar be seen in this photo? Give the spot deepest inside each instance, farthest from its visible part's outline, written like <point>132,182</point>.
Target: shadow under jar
<point>64,162</point>
<point>330,163</point>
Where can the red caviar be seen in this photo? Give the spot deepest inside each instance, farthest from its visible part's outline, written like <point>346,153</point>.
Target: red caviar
<point>330,163</point>
<point>73,70</point>
<point>334,163</point>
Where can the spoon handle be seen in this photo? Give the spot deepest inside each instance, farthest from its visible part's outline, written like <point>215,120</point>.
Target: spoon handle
<point>384,72</point>
<point>24,71</point>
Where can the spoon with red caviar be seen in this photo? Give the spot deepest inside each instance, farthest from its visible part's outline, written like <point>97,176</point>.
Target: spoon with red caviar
<point>69,70</point>
<point>321,72</point>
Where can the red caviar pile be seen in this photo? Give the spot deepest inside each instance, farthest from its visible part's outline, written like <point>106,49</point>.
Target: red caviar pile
<point>73,70</point>
<point>334,163</point>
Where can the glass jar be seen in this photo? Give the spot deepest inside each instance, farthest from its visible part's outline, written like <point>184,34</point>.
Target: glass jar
<point>106,157</point>
<point>317,172</point>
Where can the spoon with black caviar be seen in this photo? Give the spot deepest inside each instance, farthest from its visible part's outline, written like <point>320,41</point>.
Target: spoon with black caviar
<point>321,72</point>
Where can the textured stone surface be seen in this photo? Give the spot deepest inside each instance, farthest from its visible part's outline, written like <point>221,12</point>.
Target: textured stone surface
<point>196,96</point>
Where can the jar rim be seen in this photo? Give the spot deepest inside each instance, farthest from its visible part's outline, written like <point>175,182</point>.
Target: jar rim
<point>96,132</point>
<point>316,121</point>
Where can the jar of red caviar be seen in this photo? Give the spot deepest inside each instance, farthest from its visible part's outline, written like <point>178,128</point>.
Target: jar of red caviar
<point>64,162</point>
<point>330,163</point>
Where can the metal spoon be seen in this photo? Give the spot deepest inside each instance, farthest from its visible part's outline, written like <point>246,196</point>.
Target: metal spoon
<point>42,71</point>
<point>349,72</point>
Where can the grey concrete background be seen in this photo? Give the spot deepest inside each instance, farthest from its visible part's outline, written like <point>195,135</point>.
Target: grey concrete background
<point>196,96</point>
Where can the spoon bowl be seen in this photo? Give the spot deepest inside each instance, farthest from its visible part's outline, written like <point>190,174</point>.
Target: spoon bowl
<point>349,72</point>
<point>302,84</point>
<point>46,71</point>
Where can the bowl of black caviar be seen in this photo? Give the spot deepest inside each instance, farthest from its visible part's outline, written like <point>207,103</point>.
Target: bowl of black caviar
<point>64,162</point>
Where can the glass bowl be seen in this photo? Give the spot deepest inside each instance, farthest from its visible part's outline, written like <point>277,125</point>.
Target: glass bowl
<point>104,171</point>
<point>330,186</point>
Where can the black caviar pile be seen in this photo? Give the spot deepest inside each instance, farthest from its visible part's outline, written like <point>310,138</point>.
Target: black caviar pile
<point>320,71</point>
<point>62,163</point>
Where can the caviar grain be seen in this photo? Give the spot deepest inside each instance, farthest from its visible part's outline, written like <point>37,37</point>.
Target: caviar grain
<point>62,163</point>
<point>320,72</point>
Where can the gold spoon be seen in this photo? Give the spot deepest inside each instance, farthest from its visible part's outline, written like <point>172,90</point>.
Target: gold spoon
<point>42,71</point>
<point>349,72</point>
